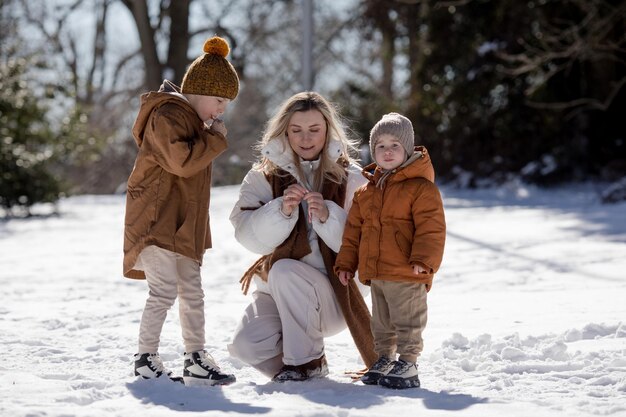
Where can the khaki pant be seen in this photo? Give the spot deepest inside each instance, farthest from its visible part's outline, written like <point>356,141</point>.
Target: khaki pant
<point>288,318</point>
<point>169,275</point>
<point>399,313</point>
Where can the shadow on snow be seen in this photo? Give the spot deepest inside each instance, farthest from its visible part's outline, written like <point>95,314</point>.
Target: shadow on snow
<point>357,396</point>
<point>176,396</point>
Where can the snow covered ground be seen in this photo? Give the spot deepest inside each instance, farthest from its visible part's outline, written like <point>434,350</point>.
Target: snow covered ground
<point>526,317</point>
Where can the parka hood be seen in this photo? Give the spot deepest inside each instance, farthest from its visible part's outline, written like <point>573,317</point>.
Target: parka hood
<point>418,165</point>
<point>168,91</point>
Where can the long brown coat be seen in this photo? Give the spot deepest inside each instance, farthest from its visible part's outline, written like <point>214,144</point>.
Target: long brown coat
<point>391,229</point>
<point>167,202</point>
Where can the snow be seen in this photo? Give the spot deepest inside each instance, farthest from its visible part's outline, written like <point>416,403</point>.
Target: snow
<point>526,317</point>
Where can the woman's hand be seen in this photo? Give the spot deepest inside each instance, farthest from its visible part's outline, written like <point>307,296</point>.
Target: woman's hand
<point>344,277</point>
<point>317,206</point>
<point>292,196</point>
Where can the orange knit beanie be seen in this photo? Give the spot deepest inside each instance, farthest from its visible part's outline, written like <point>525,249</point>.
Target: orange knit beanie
<point>211,74</point>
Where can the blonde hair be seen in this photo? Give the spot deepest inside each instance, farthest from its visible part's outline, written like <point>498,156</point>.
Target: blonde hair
<point>276,129</point>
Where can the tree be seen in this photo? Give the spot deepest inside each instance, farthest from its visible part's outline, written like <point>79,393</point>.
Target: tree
<point>574,65</point>
<point>178,44</point>
<point>90,93</point>
<point>25,151</point>
<point>502,88</point>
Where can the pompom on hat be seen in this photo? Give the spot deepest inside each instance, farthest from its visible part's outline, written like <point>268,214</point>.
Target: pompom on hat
<point>396,125</point>
<point>211,74</point>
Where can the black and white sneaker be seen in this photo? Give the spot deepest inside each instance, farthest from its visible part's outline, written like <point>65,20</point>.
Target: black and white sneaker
<point>200,369</point>
<point>402,375</point>
<point>379,369</point>
<point>150,365</point>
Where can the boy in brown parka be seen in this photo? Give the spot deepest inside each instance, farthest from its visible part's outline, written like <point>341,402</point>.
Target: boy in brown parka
<point>394,237</point>
<point>166,230</point>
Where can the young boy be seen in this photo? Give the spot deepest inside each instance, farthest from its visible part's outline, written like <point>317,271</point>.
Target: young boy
<point>179,134</point>
<point>394,236</point>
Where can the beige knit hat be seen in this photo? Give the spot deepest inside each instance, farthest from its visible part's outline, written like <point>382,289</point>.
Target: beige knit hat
<point>211,74</point>
<point>396,125</point>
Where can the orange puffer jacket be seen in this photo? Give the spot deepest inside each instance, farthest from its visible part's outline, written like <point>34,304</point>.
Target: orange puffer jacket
<point>391,229</point>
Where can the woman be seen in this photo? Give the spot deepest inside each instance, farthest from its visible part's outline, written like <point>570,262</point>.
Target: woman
<point>292,208</point>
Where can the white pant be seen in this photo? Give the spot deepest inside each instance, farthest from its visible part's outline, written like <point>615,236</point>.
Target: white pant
<point>289,317</point>
<point>170,274</point>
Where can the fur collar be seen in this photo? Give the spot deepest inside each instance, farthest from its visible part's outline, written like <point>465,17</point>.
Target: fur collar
<point>278,151</point>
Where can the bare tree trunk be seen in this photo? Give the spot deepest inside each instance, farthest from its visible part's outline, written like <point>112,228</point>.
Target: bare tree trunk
<point>179,39</point>
<point>378,14</point>
<point>388,53</point>
<point>139,10</point>
<point>418,33</point>
<point>97,62</point>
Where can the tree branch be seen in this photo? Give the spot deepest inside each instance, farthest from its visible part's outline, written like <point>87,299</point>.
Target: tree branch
<point>589,103</point>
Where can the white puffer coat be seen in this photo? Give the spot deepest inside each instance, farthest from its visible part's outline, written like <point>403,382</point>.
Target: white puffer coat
<point>264,229</point>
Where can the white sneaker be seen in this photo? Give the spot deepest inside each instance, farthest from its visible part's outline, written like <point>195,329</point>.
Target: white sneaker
<point>200,369</point>
<point>402,375</point>
<point>150,365</point>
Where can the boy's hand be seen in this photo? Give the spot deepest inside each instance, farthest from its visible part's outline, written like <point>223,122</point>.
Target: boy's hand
<point>344,277</point>
<point>317,206</point>
<point>417,269</point>
<point>292,196</point>
<point>219,127</point>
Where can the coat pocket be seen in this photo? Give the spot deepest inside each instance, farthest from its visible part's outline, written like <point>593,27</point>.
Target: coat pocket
<point>185,236</point>
<point>140,207</point>
<point>403,243</point>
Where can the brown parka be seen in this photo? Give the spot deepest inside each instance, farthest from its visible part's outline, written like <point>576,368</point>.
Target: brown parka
<point>168,193</point>
<point>391,229</point>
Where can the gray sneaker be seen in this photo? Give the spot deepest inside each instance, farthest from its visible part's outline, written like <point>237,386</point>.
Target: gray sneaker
<point>379,369</point>
<point>402,375</point>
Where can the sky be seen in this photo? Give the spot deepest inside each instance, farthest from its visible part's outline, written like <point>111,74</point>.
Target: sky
<point>526,317</point>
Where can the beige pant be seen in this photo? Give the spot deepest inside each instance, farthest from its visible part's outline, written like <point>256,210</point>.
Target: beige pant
<point>399,313</point>
<point>169,275</point>
<point>287,319</point>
